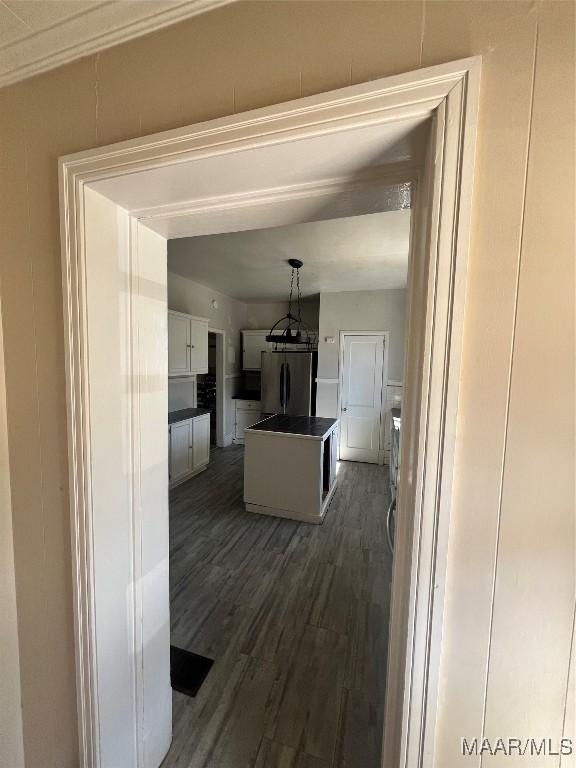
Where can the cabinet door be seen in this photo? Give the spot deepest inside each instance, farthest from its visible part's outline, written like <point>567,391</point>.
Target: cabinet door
<point>178,344</point>
<point>180,449</point>
<point>245,419</point>
<point>201,440</point>
<point>199,346</point>
<point>252,345</point>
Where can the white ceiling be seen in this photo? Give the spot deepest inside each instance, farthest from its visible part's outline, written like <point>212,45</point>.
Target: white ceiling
<point>37,35</point>
<point>348,254</point>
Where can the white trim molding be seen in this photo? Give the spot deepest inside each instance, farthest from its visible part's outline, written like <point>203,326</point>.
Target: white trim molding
<point>447,96</point>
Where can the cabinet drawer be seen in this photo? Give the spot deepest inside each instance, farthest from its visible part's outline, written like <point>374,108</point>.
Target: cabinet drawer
<point>248,405</point>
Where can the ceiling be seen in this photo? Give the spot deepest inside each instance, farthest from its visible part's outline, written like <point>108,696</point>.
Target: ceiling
<point>356,253</point>
<point>37,35</point>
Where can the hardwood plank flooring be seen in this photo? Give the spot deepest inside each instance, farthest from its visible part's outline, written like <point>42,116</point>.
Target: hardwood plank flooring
<point>295,616</point>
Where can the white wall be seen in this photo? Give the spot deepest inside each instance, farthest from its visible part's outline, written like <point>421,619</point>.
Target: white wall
<point>263,316</point>
<point>357,311</point>
<point>181,394</point>
<point>11,739</point>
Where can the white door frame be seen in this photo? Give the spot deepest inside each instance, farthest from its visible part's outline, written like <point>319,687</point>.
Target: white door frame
<point>220,385</point>
<point>386,335</point>
<point>448,94</point>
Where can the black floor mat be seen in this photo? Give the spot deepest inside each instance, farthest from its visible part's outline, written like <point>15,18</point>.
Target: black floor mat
<point>187,670</point>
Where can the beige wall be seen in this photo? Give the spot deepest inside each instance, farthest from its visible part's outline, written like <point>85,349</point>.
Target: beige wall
<point>512,536</point>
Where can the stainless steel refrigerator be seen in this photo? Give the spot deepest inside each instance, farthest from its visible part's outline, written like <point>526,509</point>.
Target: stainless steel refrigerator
<point>288,381</point>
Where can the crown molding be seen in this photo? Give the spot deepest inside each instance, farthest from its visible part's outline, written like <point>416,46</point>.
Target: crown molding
<point>110,24</point>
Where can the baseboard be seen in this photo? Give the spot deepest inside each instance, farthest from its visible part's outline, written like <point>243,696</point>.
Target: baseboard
<point>286,513</point>
<point>188,476</point>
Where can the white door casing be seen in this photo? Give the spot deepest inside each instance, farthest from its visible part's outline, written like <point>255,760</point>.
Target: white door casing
<point>128,472</point>
<point>362,377</point>
<point>116,417</point>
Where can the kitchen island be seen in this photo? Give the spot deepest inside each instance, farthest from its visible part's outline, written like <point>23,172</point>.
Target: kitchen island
<point>290,466</point>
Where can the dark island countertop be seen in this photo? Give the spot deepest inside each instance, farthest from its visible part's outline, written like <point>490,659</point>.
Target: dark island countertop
<point>186,413</point>
<point>314,427</point>
<point>247,394</point>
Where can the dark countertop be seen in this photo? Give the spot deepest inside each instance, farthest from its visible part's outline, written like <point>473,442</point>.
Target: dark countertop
<point>247,394</point>
<point>303,426</point>
<point>186,413</point>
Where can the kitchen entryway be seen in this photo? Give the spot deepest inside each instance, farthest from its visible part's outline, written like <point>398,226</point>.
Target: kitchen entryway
<point>295,617</point>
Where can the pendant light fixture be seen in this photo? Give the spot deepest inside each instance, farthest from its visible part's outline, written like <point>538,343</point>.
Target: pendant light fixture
<point>294,330</point>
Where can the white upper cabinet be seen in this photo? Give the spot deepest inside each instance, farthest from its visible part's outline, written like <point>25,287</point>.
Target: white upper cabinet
<point>199,345</point>
<point>187,344</point>
<point>178,344</point>
<point>253,344</point>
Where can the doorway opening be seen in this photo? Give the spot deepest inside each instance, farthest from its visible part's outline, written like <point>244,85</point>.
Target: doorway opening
<point>271,599</point>
<point>119,207</point>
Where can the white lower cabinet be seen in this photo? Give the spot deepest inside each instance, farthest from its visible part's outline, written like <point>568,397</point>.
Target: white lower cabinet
<point>189,448</point>
<point>180,442</point>
<point>201,441</point>
<point>247,413</point>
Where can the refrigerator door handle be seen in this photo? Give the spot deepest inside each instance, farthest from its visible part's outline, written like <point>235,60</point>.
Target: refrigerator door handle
<point>287,383</point>
<point>282,385</point>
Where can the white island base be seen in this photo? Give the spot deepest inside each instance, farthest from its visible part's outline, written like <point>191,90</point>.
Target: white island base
<point>290,467</point>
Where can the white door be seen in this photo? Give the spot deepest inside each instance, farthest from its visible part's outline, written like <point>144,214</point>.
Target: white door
<point>201,440</point>
<point>361,405</point>
<point>180,449</point>
<point>179,344</point>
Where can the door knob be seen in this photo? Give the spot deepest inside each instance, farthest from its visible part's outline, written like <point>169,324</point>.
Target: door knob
<point>344,409</point>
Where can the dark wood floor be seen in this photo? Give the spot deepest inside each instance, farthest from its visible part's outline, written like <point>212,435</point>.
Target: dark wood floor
<point>295,616</point>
